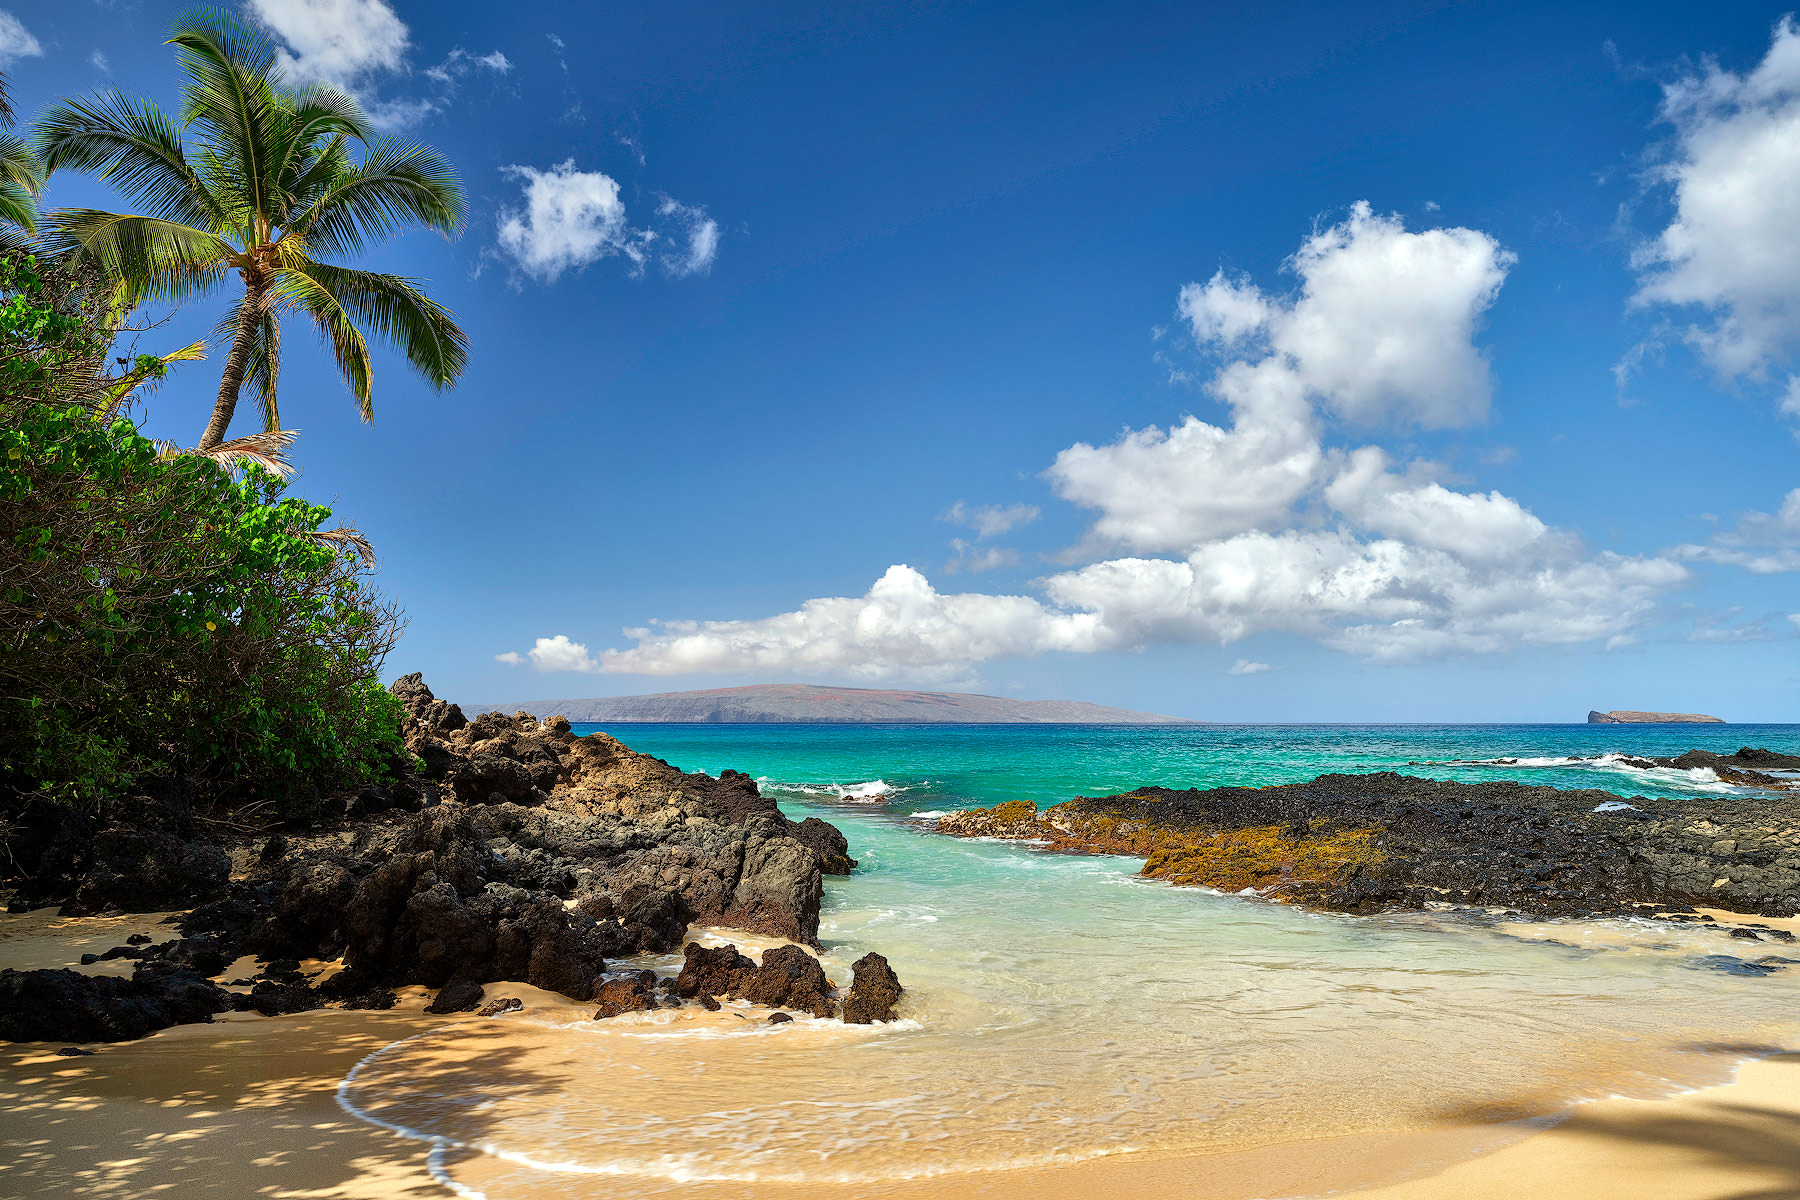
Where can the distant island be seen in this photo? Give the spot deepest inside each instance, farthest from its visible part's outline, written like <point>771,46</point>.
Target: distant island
<point>1621,716</point>
<point>805,704</point>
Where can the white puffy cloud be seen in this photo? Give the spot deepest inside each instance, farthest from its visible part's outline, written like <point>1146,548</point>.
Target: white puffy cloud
<point>1161,489</point>
<point>1253,527</point>
<point>1761,543</point>
<point>1732,250</point>
<point>1224,311</point>
<point>901,626</point>
<point>1244,666</point>
<point>1383,326</point>
<point>511,658</point>
<point>341,42</point>
<point>558,654</point>
<point>571,218</point>
<point>16,41</point>
<point>991,520</point>
<point>1487,528</point>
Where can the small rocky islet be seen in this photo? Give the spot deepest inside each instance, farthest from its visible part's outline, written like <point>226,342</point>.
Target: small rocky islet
<point>519,852</point>
<point>1367,843</point>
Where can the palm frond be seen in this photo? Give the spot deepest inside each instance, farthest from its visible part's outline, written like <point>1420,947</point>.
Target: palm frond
<point>297,289</point>
<point>232,96</point>
<point>133,145</point>
<point>144,377</point>
<point>267,450</point>
<point>349,539</point>
<point>396,186</point>
<point>152,258</point>
<point>21,178</point>
<point>394,309</point>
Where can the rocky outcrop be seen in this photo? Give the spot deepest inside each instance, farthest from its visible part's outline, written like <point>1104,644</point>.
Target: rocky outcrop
<point>788,977</point>
<point>521,853</point>
<point>1363,843</point>
<point>874,991</point>
<point>68,1006</point>
<point>1749,767</point>
<point>1622,716</point>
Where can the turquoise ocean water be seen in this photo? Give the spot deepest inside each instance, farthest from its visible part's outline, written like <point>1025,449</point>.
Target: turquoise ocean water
<point>1061,1008</point>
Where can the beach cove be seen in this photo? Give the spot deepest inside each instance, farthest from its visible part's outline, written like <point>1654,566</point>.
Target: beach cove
<point>1066,1020</point>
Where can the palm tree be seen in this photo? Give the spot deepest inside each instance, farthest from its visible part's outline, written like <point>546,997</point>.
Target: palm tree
<point>267,187</point>
<point>20,175</point>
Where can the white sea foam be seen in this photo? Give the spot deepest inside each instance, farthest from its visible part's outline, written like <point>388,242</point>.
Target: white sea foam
<point>1697,779</point>
<point>1615,806</point>
<point>873,791</point>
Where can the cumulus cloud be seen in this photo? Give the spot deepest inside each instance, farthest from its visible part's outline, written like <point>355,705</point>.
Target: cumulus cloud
<point>340,42</point>
<point>571,218</point>
<point>1761,543</point>
<point>1161,489</point>
<point>902,625</point>
<point>361,46</point>
<point>511,658</point>
<point>1228,531</point>
<point>16,41</point>
<point>1382,328</point>
<point>1731,253</point>
<point>560,654</point>
<point>1244,666</point>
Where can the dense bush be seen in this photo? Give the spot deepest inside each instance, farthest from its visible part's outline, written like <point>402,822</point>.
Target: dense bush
<point>158,615</point>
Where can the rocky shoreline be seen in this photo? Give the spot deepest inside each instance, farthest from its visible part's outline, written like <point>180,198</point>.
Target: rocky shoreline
<point>1368,843</point>
<point>519,852</point>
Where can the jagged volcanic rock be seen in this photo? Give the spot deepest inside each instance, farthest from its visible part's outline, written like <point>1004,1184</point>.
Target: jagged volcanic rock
<point>874,991</point>
<point>1362,843</point>
<point>68,1006</point>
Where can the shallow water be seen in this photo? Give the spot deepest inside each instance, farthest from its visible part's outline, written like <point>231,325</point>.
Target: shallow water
<point>1061,1008</point>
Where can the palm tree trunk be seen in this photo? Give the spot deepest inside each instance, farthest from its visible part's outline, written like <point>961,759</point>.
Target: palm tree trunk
<point>237,365</point>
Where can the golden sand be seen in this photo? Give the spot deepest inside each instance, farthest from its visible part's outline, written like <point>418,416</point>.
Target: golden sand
<point>247,1107</point>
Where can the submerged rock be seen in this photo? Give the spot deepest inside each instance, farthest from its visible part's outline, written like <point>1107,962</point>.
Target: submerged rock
<point>635,992</point>
<point>495,1008</point>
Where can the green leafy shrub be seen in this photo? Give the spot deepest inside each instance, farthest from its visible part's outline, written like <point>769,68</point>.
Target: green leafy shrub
<point>159,616</point>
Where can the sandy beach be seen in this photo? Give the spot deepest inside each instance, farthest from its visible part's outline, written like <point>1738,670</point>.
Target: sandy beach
<point>249,1106</point>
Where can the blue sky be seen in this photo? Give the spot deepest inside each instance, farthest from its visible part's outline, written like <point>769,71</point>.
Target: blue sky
<point>1274,362</point>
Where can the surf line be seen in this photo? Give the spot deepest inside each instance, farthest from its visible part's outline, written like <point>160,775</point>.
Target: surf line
<point>440,1145</point>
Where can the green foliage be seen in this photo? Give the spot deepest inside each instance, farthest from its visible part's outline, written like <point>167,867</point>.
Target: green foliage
<point>157,614</point>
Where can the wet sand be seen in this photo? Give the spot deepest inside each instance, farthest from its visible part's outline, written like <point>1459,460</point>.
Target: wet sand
<point>247,1106</point>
